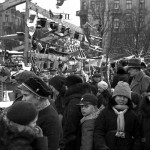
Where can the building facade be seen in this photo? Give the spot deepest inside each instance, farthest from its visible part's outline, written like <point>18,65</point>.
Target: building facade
<point>12,21</point>
<point>115,16</point>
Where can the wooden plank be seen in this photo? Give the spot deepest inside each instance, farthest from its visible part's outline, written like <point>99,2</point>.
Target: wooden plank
<point>11,3</point>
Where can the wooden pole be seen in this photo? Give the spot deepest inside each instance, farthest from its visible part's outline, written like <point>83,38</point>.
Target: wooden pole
<point>26,42</point>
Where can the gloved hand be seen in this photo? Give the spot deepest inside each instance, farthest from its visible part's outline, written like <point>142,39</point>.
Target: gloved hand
<point>39,132</point>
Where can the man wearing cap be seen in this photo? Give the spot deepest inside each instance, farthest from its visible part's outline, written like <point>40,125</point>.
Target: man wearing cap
<point>35,91</point>
<point>140,81</point>
<point>72,114</point>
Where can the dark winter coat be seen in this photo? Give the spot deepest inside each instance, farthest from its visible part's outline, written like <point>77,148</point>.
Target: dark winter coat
<point>121,75</point>
<point>50,124</point>
<point>72,116</point>
<point>106,128</point>
<point>103,98</point>
<point>145,122</point>
<point>12,138</point>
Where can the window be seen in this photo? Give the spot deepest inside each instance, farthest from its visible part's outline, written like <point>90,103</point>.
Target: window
<point>93,5</point>
<point>116,4</point>
<point>142,4</point>
<point>129,4</point>
<point>84,5</point>
<point>142,21</point>
<point>128,20</point>
<point>116,23</point>
<point>6,18</point>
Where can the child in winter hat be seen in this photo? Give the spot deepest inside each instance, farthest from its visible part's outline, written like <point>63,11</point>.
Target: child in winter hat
<point>122,96</point>
<point>102,85</point>
<point>90,112</point>
<point>117,122</point>
<point>122,89</point>
<point>18,127</point>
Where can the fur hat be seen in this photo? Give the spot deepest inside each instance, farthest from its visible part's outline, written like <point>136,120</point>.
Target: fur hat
<point>57,82</point>
<point>72,80</point>
<point>22,76</point>
<point>103,85</point>
<point>88,98</point>
<point>134,63</point>
<point>122,89</point>
<point>36,86</point>
<point>22,113</point>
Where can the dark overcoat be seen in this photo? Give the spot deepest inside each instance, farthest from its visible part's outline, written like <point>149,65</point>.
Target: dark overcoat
<point>144,112</point>
<point>72,116</point>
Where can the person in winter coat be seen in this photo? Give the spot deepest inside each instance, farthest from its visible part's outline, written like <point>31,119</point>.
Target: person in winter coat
<point>136,99</point>
<point>18,129</point>
<point>72,115</point>
<point>35,91</point>
<point>117,126</point>
<point>144,116</point>
<point>140,81</point>
<point>121,75</point>
<point>57,84</point>
<point>103,94</point>
<point>90,112</point>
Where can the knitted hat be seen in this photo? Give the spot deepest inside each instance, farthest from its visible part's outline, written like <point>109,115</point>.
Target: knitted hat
<point>36,86</point>
<point>57,82</point>
<point>72,80</point>
<point>22,113</point>
<point>88,98</point>
<point>103,85</point>
<point>122,89</point>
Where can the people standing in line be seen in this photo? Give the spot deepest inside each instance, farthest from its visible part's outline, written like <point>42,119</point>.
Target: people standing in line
<point>140,80</point>
<point>117,126</point>
<point>18,129</point>
<point>35,91</point>
<point>103,94</point>
<point>72,114</point>
<point>90,112</point>
<point>144,115</point>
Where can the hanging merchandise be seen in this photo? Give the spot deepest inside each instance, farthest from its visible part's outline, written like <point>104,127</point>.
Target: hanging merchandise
<point>31,23</point>
<point>41,22</point>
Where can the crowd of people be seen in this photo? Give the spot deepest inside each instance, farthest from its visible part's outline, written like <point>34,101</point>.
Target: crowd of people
<point>70,113</point>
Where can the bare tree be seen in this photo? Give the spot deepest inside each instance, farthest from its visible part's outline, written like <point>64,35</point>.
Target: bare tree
<point>132,36</point>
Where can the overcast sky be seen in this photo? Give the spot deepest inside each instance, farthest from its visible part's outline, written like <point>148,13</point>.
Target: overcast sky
<point>69,6</point>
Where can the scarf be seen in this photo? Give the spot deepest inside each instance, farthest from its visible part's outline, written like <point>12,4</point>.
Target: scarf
<point>43,105</point>
<point>120,119</point>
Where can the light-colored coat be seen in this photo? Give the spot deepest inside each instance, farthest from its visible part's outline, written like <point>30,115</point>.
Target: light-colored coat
<point>140,83</point>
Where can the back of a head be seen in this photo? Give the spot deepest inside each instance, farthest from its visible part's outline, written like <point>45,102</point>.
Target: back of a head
<point>22,113</point>
<point>121,70</point>
<point>72,80</point>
